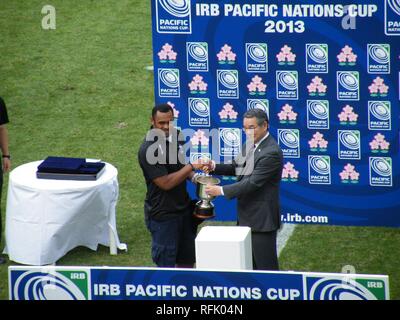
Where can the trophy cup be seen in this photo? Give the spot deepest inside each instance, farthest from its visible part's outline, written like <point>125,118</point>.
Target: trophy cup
<point>204,208</point>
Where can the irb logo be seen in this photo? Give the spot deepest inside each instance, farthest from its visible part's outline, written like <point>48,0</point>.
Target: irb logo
<point>317,58</point>
<point>197,56</point>
<point>379,115</point>
<point>35,283</point>
<point>319,169</point>
<point>349,144</point>
<point>289,141</point>
<point>173,16</point>
<point>199,112</point>
<point>228,84</point>
<point>348,85</point>
<point>317,114</point>
<point>345,287</point>
<point>380,172</point>
<point>229,142</point>
<point>378,58</point>
<point>287,85</point>
<point>256,57</point>
<point>168,83</point>
<point>392,17</point>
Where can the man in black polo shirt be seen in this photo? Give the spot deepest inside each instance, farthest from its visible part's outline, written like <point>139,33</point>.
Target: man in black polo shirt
<point>4,149</point>
<point>167,207</point>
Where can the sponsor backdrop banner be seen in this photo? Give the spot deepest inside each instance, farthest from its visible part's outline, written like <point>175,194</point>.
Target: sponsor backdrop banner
<point>327,74</point>
<point>105,283</point>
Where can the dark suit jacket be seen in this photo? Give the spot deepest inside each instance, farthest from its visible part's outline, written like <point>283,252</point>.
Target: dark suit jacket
<point>258,192</point>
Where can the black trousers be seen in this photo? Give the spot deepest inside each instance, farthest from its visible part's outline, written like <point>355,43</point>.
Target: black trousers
<point>265,256</point>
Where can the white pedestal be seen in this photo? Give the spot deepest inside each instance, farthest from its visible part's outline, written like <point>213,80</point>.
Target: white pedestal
<point>226,248</point>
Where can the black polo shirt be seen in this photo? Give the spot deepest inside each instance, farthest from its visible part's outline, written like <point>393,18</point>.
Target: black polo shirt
<point>160,204</point>
<point>3,112</point>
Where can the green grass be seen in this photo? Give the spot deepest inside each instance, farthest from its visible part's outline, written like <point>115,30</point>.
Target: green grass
<point>330,248</point>
<point>82,90</point>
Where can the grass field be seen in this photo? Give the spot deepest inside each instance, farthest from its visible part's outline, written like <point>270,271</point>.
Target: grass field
<point>83,90</point>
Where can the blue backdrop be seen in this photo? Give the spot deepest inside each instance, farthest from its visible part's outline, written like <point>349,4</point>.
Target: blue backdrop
<point>328,76</point>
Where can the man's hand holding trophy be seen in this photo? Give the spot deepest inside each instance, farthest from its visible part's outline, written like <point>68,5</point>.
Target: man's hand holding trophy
<point>206,189</point>
<point>204,164</point>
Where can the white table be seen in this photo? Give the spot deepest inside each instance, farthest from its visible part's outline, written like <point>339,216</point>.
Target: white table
<point>47,218</point>
<point>224,248</point>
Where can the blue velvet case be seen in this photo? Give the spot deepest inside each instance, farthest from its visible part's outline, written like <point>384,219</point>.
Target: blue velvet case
<point>64,168</point>
<point>61,165</point>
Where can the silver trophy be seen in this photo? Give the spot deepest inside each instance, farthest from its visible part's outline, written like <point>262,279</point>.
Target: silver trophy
<point>204,208</point>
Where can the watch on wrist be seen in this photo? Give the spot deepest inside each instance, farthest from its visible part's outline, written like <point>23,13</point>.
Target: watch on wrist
<point>6,156</point>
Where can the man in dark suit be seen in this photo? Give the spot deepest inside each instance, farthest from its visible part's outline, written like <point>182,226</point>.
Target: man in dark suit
<point>256,189</point>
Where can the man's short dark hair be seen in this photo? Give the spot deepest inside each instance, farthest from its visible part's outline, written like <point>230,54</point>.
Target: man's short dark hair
<point>163,108</point>
<point>259,114</point>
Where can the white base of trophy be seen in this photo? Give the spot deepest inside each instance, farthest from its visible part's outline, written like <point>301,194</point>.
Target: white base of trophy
<point>224,248</point>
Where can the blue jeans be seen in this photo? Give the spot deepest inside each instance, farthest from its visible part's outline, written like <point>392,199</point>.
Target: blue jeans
<point>173,240</point>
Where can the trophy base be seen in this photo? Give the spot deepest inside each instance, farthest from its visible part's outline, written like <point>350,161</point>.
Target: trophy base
<point>204,213</point>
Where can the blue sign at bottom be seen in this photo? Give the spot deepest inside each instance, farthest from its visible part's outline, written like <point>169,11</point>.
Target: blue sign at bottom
<point>105,283</point>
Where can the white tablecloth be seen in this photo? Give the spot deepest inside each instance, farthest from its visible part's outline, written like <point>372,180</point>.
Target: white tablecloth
<point>47,218</point>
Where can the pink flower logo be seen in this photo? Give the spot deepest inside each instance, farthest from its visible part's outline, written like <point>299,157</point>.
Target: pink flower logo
<point>228,114</point>
<point>199,139</point>
<point>287,115</point>
<point>347,57</point>
<point>317,87</point>
<point>378,88</point>
<point>289,174</point>
<point>348,116</point>
<point>286,56</point>
<point>349,174</point>
<point>256,86</point>
<point>167,54</point>
<point>226,55</point>
<point>379,144</point>
<point>176,112</point>
<point>318,143</point>
<point>198,85</point>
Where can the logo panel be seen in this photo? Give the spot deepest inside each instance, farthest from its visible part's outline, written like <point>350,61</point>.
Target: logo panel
<point>197,56</point>
<point>168,83</point>
<point>287,85</point>
<point>379,115</point>
<point>319,169</point>
<point>199,112</point>
<point>229,141</point>
<point>344,288</point>
<point>262,104</point>
<point>173,16</point>
<point>54,285</point>
<point>349,144</point>
<point>348,85</point>
<point>378,58</point>
<point>317,114</point>
<point>380,172</point>
<point>256,57</point>
<point>289,141</point>
<point>228,84</point>
<point>317,58</point>
<point>392,17</point>
<point>196,156</point>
